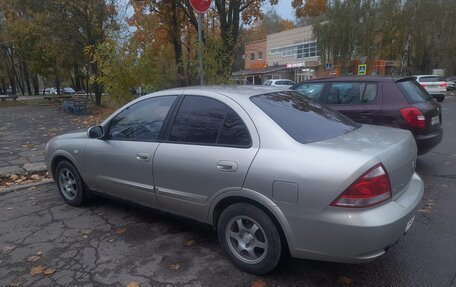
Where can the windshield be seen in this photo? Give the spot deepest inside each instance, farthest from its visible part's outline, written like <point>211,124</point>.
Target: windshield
<point>303,119</point>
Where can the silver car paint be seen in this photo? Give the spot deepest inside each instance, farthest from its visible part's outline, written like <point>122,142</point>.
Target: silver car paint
<point>321,171</point>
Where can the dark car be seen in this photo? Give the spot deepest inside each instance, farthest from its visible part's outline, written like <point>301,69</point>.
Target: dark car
<point>385,101</point>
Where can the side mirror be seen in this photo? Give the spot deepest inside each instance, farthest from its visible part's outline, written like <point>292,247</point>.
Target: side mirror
<point>95,132</point>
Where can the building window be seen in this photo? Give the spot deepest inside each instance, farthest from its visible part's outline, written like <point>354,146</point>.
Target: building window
<point>300,51</point>
<point>252,56</point>
<point>260,56</point>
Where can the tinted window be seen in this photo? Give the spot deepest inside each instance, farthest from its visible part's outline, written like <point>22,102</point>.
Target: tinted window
<point>267,83</point>
<point>208,121</point>
<point>430,79</point>
<point>414,92</point>
<point>311,90</point>
<point>234,131</point>
<point>142,120</point>
<point>351,93</point>
<point>303,119</point>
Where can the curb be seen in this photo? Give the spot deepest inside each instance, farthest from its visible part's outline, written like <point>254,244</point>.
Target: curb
<point>26,185</point>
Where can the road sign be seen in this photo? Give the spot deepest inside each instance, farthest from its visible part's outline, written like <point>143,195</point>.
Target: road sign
<point>328,66</point>
<point>200,6</point>
<point>362,70</point>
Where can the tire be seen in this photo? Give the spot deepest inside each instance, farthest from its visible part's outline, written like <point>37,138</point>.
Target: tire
<point>250,238</point>
<point>70,184</point>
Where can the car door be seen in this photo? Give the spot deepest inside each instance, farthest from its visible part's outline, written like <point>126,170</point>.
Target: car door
<point>121,164</point>
<point>360,101</point>
<point>208,150</point>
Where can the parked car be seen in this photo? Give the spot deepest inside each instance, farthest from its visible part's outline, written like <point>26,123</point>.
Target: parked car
<point>434,85</point>
<point>451,83</point>
<point>50,91</point>
<point>283,83</point>
<point>68,91</point>
<point>394,102</point>
<point>319,185</point>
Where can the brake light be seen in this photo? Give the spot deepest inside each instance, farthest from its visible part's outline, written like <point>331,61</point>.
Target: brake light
<point>414,117</point>
<point>443,85</point>
<point>423,85</point>
<point>371,188</point>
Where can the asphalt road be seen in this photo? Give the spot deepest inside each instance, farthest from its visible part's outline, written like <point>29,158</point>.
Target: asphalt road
<point>110,243</point>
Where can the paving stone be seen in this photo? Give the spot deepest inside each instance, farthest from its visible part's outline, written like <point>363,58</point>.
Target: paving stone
<point>10,170</point>
<point>18,161</point>
<point>36,158</point>
<point>35,167</point>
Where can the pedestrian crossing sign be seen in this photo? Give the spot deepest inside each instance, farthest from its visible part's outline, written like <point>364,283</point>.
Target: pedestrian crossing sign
<point>362,70</point>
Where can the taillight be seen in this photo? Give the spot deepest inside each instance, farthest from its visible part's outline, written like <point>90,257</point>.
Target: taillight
<point>371,188</point>
<point>414,117</point>
<point>443,85</point>
<point>423,85</point>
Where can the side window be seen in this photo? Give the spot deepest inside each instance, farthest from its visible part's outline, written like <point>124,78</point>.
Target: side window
<point>267,83</point>
<point>141,121</point>
<point>311,90</point>
<point>204,120</point>
<point>351,93</point>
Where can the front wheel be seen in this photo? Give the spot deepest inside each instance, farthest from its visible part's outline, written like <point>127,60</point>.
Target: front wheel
<point>250,238</point>
<point>70,184</point>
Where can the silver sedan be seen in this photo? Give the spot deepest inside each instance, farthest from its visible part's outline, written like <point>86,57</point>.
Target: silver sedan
<point>271,170</point>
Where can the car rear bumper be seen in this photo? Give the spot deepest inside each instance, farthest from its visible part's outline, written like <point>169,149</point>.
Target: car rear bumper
<point>356,235</point>
<point>427,142</point>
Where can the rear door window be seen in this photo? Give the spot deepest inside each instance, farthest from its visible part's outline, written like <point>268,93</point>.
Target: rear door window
<point>203,120</point>
<point>414,92</point>
<point>352,93</point>
<point>303,119</point>
<point>430,79</point>
<point>311,90</point>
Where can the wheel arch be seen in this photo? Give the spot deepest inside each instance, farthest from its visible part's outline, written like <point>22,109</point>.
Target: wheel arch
<point>59,157</point>
<point>260,201</point>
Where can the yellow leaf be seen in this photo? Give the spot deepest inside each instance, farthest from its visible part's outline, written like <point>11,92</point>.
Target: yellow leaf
<point>175,266</point>
<point>258,283</point>
<point>49,271</point>
<point>133,284</point>
<point>86,231</point>
<point>189,243</point>
<point>37,270</point>
<point>121,230</point>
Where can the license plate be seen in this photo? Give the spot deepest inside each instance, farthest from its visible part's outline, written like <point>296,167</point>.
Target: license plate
<point>435,120</point>
<point>409,224</point>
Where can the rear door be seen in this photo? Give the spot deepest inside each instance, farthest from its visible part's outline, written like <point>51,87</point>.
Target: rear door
<point>360,101</point>
<point>208,150</point>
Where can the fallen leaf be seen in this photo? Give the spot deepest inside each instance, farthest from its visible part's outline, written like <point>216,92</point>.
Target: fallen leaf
<point>14,177</point>
<point>49,271</point>
<point>344,280</point>
<point>37,270</point>
<point>35,177</point>
<point>39,253</point>
<point>258,283</point>
<point>33,203</point>
<point>121,230</point>
<point>8,248</point>
<point>133,284</point>
<point>33,258</point>
<point>29,145</point>
<point>9,208</point>
<point>86,231</point>
<point>189,243</point>
<point>175,266</point>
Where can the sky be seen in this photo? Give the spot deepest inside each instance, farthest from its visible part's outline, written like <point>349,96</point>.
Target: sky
<point>284,9</point>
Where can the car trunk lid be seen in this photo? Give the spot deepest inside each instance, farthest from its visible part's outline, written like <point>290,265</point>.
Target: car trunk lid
<point>394,148</point>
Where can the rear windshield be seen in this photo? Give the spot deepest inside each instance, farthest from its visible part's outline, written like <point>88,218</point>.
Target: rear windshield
<point>303,119</point>
<point>430,79</point>
<point>414,92</point>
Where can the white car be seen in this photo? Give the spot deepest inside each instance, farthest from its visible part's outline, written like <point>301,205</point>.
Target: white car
<point>434,85</point>
<point>283,83</point>
<point>50,91</point>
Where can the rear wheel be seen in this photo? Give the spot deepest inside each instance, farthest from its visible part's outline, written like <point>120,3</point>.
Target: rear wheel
<point>70,184</point>
<point>250,238</point>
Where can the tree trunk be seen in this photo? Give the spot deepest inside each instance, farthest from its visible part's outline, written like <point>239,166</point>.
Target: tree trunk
<point>26,77</point>
<point>36,85</point>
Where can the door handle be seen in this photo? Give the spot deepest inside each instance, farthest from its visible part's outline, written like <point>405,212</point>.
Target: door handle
<point>143,156</point>
<point>227,165</point>
<point>366,114</point>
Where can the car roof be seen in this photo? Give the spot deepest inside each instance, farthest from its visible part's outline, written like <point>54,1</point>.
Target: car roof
<point>361,79</point>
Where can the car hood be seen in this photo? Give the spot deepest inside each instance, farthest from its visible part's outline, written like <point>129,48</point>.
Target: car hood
<point>394,148</point>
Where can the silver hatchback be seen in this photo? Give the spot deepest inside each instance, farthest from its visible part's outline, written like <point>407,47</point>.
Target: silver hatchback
<point>271,170</point>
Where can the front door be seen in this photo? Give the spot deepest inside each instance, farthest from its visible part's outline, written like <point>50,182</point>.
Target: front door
<point>121,164</point>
